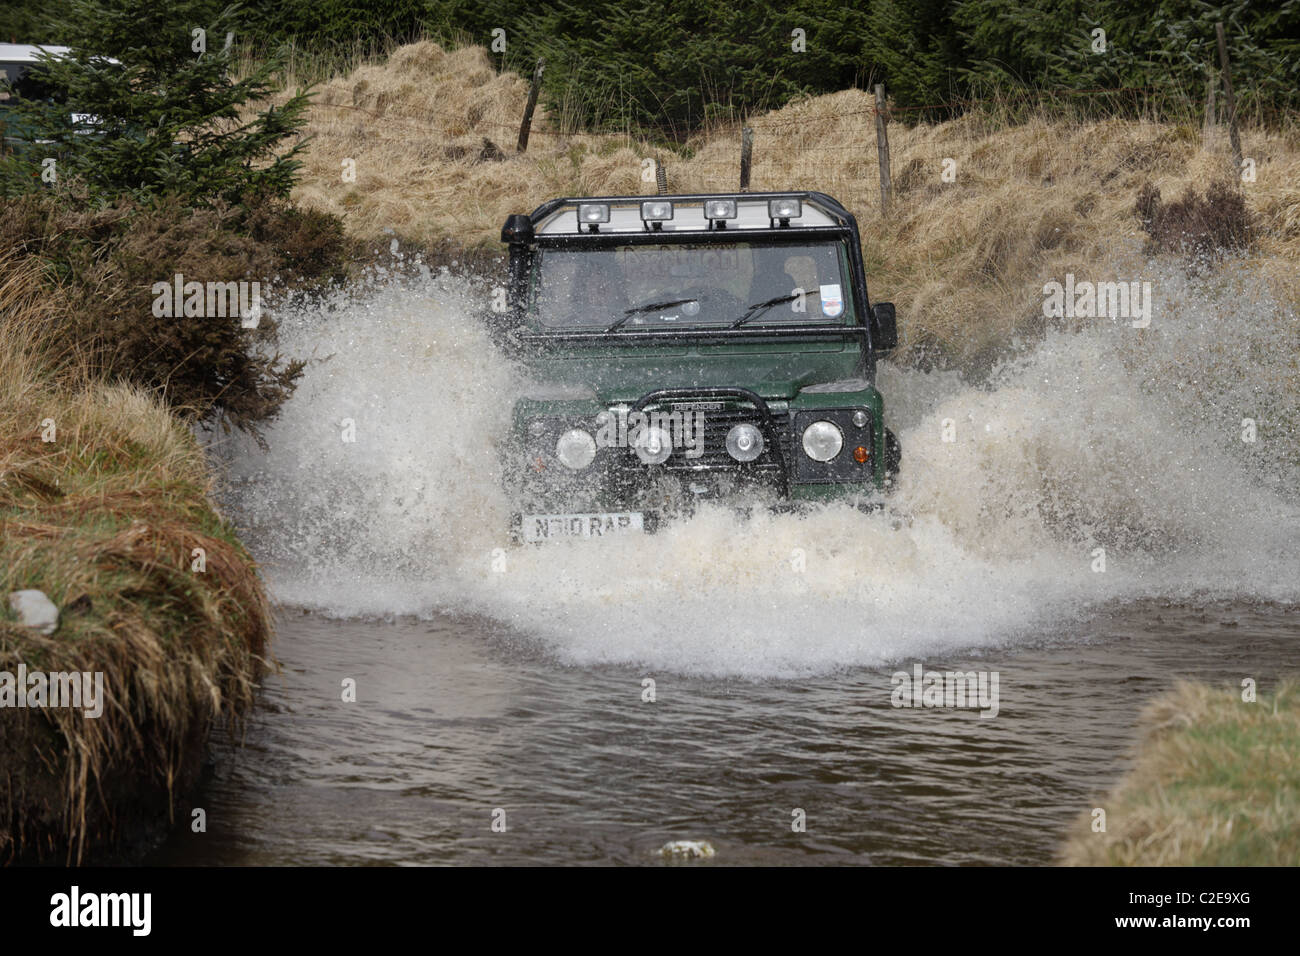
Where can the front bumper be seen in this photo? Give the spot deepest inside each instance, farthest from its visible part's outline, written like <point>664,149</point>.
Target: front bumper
<point>543,527</point>
<point>617,482</point>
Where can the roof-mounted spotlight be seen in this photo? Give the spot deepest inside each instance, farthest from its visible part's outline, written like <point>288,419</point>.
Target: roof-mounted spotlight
<point>783,210</point>
<point>592,214</point>
<point>655,213</point>
<point>718,211</point>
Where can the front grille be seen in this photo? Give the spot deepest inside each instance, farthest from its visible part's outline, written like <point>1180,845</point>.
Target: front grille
<point>718,417</point>
<point>714,456</point>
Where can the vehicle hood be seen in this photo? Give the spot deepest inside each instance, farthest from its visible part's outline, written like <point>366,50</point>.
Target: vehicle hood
<point>625,376</point>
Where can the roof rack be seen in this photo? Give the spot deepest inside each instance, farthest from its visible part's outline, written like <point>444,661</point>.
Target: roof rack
<point>688,213</point>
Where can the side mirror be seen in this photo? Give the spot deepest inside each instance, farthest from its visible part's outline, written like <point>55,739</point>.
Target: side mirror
<point>885,326</point>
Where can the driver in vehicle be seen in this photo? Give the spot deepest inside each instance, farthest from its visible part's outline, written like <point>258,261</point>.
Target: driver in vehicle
<point>782,276</point>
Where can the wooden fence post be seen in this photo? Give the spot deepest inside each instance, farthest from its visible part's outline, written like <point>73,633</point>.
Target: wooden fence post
<point>882,150</point>
<point>1229,100</point>
<point>1208,127</point>
<point>533,90</point>
<point>746,157</point>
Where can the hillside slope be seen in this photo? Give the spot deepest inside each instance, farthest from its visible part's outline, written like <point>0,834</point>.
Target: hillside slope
<point>431,134</point>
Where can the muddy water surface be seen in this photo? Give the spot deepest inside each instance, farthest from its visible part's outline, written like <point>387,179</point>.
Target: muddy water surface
<point>454,719</point>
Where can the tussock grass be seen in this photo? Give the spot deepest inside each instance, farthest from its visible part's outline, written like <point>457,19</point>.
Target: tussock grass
<point>1216,783</point>
<point>101,263</point>
<point>105,520</point>
<point>1039,191</point>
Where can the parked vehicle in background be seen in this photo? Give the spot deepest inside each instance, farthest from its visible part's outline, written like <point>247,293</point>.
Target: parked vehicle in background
<point>20,79</point>
<point>17,79</point>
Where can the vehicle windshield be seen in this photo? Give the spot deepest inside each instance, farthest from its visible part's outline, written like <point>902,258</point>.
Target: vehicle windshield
<point>714,284</point>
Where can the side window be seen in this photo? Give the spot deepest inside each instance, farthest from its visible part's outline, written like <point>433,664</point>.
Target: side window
<point>27,82</point>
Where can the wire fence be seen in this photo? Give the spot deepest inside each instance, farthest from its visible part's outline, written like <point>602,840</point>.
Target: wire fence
<point>1008,106</point>
<point>654,140</point>
<point>461,124</point>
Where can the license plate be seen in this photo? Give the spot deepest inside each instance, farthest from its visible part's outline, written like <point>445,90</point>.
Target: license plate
<point>601,525</point>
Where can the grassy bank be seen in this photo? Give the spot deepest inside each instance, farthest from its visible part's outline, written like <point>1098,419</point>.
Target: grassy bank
<point>106,519</point>
<point>1216,782</point>
<point>1035,193</point>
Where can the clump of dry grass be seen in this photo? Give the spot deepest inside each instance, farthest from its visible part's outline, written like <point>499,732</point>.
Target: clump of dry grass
<point>1216,783</point>
<point>105,520</point>
<point>965,260</point>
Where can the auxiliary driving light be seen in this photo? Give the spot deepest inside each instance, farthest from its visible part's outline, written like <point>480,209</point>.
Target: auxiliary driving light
<point>656,211</point>
<point>784,209</point>
<point>653,445</point>
<point>717,210</point>
<point>822,441</point>
<point>576,449</point>
<point>593,212</point>
<point>744,442</point>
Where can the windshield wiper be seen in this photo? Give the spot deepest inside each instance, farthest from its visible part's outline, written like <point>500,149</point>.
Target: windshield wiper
<point>758,308</point>
<point>650,307</point>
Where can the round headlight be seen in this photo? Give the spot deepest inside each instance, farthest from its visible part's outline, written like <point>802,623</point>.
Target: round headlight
<point>653,445</point>
<point>576,449</point>
<point>822,441</point>
<point>744,442</point>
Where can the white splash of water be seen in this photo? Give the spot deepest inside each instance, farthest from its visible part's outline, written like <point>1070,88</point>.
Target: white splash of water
<point>1097,437</point>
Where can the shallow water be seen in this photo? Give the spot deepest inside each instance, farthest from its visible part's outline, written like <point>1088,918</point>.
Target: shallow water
<point>1089,520</point>
<point>455,719</point>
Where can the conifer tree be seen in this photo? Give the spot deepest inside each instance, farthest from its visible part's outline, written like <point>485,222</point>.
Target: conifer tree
<point>146,102</point>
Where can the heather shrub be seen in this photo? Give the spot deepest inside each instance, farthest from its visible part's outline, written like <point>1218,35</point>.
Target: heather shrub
<point>100,265</point>
<point>1202,227</point>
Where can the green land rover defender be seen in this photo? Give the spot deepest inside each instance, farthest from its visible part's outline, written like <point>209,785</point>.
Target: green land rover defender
<point>688,348</point>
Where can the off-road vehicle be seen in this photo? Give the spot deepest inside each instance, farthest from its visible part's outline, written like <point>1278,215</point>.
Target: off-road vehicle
<point>691,347</point>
